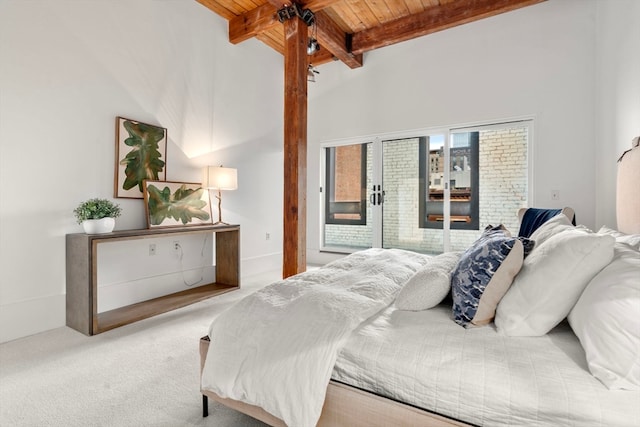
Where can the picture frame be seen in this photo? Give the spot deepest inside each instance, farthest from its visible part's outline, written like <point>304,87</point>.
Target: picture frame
<point>141,151</point>
<point>176,204</point>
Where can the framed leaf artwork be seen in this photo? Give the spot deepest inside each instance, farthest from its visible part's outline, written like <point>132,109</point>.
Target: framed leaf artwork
<point>176,204</point>
<point>141,151</point>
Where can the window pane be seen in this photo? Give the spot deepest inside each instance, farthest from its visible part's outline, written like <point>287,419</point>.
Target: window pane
<point>348,170</point>
<point>463,182</point>
<point>345,186</point>
<point>435,152</point>
<point>502,182</point>
<point>402,186</point>
<point>347,220</point>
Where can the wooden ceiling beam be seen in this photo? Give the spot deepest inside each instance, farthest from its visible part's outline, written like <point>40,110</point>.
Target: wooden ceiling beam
<point>265,17</point>
<point>332,38</point>
<point>252,23</point>
<point>262,18</point>
<point>431,20</point>
<point>322,57</point>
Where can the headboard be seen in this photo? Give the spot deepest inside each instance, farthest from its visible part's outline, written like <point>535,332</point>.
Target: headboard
<point>628,190</point>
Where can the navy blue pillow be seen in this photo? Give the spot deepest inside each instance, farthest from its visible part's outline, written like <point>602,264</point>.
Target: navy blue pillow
<point>533,218</point>
<point>484,274</point>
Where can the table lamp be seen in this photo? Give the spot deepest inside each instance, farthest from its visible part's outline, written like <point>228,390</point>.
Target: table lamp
<point>219,178</point>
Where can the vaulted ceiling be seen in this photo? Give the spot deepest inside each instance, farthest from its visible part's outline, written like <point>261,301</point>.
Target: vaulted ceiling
<point>345,29</point>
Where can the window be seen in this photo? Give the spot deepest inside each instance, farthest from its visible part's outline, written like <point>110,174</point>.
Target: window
<point>463,181</point>
<point>345,195</point>
<point>430,190</point>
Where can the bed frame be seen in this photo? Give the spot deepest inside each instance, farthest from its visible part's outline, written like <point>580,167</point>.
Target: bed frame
<point>343,406</point>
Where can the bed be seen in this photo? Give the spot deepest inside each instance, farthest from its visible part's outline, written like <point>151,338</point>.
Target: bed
<point>540,330</point>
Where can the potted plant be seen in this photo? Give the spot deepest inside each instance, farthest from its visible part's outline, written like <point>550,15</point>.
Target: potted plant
<point>97,215</point>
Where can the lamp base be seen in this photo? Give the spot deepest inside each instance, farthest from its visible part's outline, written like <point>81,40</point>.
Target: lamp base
<point>219,221</point>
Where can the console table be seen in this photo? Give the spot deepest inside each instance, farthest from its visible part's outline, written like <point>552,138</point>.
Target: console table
<point>82,291</point>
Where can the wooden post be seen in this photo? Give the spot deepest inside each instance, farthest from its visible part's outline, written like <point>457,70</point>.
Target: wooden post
<point>295,147</point>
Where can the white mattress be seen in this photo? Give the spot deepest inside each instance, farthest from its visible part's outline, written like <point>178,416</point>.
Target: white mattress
<point>478,376</point>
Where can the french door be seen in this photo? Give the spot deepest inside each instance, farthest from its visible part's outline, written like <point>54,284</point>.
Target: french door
<point>430,193</point>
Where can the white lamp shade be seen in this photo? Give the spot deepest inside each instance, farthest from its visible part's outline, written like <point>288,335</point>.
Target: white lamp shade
<point>219,178</point>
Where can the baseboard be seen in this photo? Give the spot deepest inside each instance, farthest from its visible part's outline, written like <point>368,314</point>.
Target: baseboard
<point>260,264</point>
<point>322,257</point>
<point>24,318</point>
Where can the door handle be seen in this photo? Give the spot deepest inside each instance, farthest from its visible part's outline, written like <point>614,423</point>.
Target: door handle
<point>377,197</point>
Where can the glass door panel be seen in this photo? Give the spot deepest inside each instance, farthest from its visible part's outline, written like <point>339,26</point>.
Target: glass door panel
<point>347,190</point>
<point>431,193</point>
<point>403,183</point>
<point>489,175</point>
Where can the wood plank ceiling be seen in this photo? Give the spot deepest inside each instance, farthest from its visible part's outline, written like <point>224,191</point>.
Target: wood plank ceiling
<point>348,28</point>
<point>345,30</point>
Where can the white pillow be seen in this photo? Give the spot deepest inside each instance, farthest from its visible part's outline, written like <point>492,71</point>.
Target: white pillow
<point>551,280</point>
<point>606,319</point>
<point>630,239</point>
<point>429,285</point>
<point>552,227</point>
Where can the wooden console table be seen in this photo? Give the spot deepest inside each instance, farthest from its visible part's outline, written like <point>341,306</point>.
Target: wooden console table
<point>82,290</point>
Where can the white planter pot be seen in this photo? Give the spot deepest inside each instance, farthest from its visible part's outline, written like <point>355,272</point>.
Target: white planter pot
<point>99,226</point>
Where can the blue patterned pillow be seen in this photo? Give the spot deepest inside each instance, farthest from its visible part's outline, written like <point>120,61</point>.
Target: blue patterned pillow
<point>484,273</point>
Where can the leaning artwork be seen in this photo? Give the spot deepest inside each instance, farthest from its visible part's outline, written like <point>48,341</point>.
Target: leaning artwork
<point>176,204</point>
<point>140,154</point>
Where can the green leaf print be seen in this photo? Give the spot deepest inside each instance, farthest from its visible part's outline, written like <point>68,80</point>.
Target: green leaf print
<point>143,161</point>
<point>184,205</point>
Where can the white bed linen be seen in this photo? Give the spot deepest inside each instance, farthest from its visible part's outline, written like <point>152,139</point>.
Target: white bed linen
<point>478,376</point>
<point>276,348</point>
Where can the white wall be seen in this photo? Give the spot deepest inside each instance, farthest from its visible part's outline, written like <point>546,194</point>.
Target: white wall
<point>617,96</point>
<point>537,61</point>
<point>67,69</point>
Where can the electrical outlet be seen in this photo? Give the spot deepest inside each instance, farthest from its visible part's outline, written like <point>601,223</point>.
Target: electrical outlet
<point>267,236</point>
<point>176,247</point>
<point>555,195</point>
<point>152,249</point>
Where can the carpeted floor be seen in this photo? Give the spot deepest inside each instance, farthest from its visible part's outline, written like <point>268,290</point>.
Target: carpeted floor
<point>142,374</point>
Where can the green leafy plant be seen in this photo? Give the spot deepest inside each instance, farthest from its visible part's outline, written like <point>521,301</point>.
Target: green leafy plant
<point>96,209</point>
<point>184,205</point>
<point>143,161</point>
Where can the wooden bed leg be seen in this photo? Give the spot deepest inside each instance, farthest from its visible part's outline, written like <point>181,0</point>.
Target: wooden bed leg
<point>205,406</point>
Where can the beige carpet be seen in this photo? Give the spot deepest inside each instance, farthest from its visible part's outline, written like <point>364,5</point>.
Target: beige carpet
<point>142,374</point>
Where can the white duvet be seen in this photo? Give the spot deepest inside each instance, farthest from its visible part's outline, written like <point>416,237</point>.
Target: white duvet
<point>277,347</point>
<point>479,376</point>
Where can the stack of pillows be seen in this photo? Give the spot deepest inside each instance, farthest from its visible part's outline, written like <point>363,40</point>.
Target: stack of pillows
<point>527,286</point>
